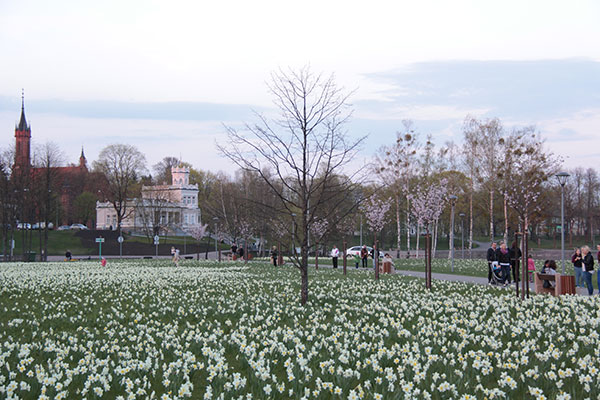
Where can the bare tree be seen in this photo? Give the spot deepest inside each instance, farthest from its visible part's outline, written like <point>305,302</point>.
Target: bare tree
<point>486,136</point>
<point>303,149</point>
<point>122,164</point>
<point>396,169</point>
<point>48,158</point>
<point>162,170</point>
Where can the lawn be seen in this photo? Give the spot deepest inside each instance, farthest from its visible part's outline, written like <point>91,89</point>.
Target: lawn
<point>58,243</point>
<point>147,329</point>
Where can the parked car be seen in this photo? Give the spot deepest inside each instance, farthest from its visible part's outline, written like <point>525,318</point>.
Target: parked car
<point>64,228</point>
<point>355,250</point>
<point>79,227</point>
<point>21,225</point>
<point>42,225</point>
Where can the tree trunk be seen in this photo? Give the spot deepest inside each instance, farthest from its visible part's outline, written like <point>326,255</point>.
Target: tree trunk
<point>505,220</point>
<point>376,257</point>
<point>471,225</point>
<point>428,260</point>
<point>435,236</point>
<point>398,226</point>
<point>316,255</point>
<point>345,259</point>
<point>418,239</point>
<point>491,215</point>
<point>408,227</point>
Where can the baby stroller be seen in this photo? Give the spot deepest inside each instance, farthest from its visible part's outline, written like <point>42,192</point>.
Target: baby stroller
<point>498,277</point>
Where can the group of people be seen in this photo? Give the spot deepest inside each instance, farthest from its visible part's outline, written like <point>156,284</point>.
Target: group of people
<point>502,263</point>
<point>583,263</point>
<point>237,251</point>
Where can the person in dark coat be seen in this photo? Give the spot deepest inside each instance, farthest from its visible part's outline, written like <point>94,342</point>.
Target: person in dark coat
<point>491,257</point>
<point>515,257</point>
<point>588,268</point>
<point>364,255</point>
<point>240,252</point>
<point>274,255</point>
<point>503,257</point>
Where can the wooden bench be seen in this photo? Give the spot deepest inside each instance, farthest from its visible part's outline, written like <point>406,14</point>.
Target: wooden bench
<point>565,284</point>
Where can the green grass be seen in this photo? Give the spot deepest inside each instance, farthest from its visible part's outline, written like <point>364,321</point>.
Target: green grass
<point>58,243</point>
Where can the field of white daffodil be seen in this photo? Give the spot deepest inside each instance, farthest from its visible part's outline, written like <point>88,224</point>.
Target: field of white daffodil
<point>145,329</point>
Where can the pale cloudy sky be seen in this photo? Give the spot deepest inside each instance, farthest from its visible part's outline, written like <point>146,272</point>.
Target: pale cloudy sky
<point>164,76</point>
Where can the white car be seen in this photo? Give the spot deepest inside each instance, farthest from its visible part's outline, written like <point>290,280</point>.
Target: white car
<point>355,251</point>
<point>79,227</point>
<point>64,228</point>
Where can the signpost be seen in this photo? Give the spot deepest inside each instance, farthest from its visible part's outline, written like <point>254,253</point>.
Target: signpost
<point>156,241</point>
<point>120,240</point>
<point>100,240</point>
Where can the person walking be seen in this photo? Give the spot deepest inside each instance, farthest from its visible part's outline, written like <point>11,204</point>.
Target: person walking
<point>491,257</point>
<point>335,253</point>
<point>364,255</point>
<point>503,257</point>
<point>577,261</point>
<point>588,268</point>
<point>598,274</point>
<point>274,255</point>
<point>515,257</point>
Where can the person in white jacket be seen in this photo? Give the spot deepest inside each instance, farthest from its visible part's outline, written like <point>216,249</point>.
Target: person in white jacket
<point>335,253</point>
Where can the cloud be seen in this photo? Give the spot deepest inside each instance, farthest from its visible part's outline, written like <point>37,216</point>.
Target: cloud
<point>179,111</point>
<point>517,89</point>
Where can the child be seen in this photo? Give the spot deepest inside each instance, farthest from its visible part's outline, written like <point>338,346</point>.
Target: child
<point>530,267</point>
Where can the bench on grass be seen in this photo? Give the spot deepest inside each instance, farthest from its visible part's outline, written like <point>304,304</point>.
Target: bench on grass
<point>564,284</point>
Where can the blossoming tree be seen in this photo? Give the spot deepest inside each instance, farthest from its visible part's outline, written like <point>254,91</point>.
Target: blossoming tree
<point>198,234</point>
<point>318,229</point>
<point>427,206</point>
<point>375,211</point>
<point>531,167</point>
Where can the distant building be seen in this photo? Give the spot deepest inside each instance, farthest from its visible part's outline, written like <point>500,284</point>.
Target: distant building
<point>161,209</point>
<point>67,182</point>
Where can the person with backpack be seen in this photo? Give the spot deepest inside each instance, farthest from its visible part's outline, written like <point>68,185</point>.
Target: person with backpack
<point>588,268</point>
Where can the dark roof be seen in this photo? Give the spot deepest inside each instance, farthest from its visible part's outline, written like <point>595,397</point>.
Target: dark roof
<point>23,122</point>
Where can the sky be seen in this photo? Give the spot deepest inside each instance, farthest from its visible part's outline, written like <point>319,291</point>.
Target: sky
<point>167,76</point>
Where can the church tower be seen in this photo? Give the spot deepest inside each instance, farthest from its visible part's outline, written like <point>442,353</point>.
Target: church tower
<point>23,140</point>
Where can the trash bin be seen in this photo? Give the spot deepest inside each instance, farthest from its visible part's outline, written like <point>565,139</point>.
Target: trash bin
<point>30,256</point>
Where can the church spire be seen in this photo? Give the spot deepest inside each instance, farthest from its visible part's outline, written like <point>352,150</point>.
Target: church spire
<point>82,160</point>
<point>23,122</point>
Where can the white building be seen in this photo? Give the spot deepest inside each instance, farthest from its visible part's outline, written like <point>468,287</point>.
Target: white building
<point>172,208</point>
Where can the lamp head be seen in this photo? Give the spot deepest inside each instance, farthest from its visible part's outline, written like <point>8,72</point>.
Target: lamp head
<point>562,178</point>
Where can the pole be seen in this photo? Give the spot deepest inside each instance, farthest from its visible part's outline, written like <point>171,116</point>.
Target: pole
<point>462,235</point>
<point>562,226</point>
<point>100,250</point>
<point>361,242</point>
<point>120,249</point>
<point>156,249</point>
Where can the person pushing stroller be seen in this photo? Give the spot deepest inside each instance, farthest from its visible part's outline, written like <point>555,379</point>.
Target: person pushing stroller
<point>503,257</point>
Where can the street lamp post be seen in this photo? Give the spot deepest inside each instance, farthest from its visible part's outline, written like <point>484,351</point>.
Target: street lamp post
<point>462,234</point>
<point>562,180</point>
<point>216,219</point>
<point>452,202</point>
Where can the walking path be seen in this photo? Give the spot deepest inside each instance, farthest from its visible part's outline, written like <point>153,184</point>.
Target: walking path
<point>472,279</point>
